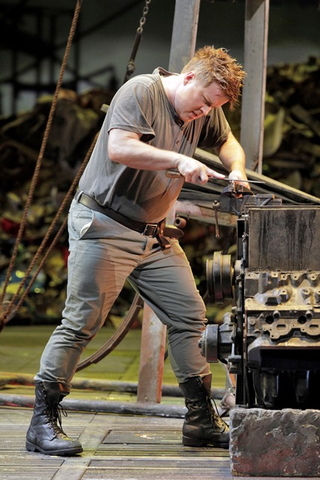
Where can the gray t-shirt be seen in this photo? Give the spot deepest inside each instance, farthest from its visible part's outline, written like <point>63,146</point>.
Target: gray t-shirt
<point>141,106</point>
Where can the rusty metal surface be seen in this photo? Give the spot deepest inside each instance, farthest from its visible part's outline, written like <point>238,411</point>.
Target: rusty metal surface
<point>284,238</point>
<point>184,33</point>
<point>256,28</point>
<point>153,341</point>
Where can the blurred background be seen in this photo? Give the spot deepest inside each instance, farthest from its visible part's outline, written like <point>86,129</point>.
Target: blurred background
<point>34,34</point>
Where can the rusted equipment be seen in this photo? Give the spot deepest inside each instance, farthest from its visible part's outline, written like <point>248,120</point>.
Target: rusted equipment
<point>271,338</point>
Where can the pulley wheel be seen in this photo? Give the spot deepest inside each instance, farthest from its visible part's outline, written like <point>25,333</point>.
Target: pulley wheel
<point>209,343</point>
<point>219,277</point>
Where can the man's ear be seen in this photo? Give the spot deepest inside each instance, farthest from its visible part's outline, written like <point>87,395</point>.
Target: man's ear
<point>188,77</point>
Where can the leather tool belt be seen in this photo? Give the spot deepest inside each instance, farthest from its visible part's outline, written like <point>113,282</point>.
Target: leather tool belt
<point>154,230</point>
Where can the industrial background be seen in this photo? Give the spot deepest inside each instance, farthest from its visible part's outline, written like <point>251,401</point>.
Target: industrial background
<point>34,33</point>
<point>131,441</point>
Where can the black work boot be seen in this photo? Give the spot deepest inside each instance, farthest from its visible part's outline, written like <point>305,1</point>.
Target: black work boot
<point>202,425</point>
<point>45,434</point>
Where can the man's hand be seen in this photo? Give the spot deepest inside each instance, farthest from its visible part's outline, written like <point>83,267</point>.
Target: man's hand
<point>236,175</point>
<point>239,175</point>
<point>196,172</point>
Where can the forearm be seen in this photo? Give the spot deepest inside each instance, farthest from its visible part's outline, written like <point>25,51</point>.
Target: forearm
<point>127,148</point>
<point>232,156</point>
<point>142,156</point>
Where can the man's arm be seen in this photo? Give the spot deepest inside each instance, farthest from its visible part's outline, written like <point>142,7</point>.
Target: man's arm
<point>127,148</point>
<point>233,157</point>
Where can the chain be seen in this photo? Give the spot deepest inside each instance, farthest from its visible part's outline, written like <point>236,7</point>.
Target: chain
<point>144,17</point>
<point>131,65</point>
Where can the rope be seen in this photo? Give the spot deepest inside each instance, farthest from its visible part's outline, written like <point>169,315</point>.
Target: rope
<point>5,314</point>
<point>74,184</point>
<point>10,308</point>
<point>131,65</point>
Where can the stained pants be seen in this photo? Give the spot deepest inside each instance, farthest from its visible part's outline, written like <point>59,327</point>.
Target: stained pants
<point>103,255</point>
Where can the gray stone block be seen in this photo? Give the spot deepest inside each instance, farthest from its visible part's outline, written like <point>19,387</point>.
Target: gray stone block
<point>275,443</point>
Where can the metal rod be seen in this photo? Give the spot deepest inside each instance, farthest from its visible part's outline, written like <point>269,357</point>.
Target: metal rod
<point>184,33</point>
<point>253,98</point>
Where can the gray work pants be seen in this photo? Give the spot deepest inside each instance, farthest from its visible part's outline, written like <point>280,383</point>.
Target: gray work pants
<point>103,254</point>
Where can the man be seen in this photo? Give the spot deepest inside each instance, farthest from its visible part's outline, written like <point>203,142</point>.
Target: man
<point>116,231</point>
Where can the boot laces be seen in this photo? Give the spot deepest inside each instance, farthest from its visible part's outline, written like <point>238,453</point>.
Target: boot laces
<point>216,420</point>
<point>54,413</point>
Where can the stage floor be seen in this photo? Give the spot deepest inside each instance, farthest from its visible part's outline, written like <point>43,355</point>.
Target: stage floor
<point>125,447</point>
<point>117,446</point>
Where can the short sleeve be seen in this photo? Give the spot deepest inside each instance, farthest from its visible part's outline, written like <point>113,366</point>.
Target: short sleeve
<point>132,108</point>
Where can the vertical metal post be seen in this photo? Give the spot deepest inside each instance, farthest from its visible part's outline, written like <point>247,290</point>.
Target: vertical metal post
<point>255,64</point>
<point>184,34</point>
<point>153,338</point>
<point>153,342</point>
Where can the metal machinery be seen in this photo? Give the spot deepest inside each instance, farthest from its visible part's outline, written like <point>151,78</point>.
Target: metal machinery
<point>271,337</point>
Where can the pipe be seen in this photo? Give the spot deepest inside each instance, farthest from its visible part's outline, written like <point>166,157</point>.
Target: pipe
<point>100,385</point>
<point>101,406</point>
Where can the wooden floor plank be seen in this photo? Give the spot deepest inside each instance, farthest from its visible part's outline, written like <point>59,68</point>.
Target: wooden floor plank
<point>42,474</point>
<point>163,462</point>
<point>156,474</point>
<point>163,468</point>
<point>165,450</point>
<point>145,437</point>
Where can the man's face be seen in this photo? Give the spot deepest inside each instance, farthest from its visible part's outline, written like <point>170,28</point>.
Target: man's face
<point>193,100</point>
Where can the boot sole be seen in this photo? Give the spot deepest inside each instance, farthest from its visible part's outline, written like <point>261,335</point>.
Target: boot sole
<point>67,452</point>
<point>193,442</point>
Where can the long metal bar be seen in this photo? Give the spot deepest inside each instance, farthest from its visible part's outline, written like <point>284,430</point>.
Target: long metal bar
<point>184,34</point>
<point>279,189</point>
<point>253,98</point>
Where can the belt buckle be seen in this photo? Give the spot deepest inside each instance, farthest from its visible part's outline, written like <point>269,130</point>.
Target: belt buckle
<point>150,230</point>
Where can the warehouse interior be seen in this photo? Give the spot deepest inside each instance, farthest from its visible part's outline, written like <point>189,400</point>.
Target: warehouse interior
<point>103,54</point>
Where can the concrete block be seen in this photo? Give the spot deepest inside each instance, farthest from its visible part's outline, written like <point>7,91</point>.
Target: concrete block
<point>275,443</point>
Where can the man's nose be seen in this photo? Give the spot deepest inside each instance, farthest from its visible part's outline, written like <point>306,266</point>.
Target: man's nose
<point>205,109</point>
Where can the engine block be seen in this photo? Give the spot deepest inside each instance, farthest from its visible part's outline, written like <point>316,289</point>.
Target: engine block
<point>271,337</point>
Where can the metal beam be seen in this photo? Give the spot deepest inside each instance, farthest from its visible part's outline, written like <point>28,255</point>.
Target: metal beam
<point>153,341</point>
<point>184,34</point>
<point>255,64</point>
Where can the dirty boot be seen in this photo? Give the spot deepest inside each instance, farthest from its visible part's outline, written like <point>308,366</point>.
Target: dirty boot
<point>45,434</point>
<point>202,425</point>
